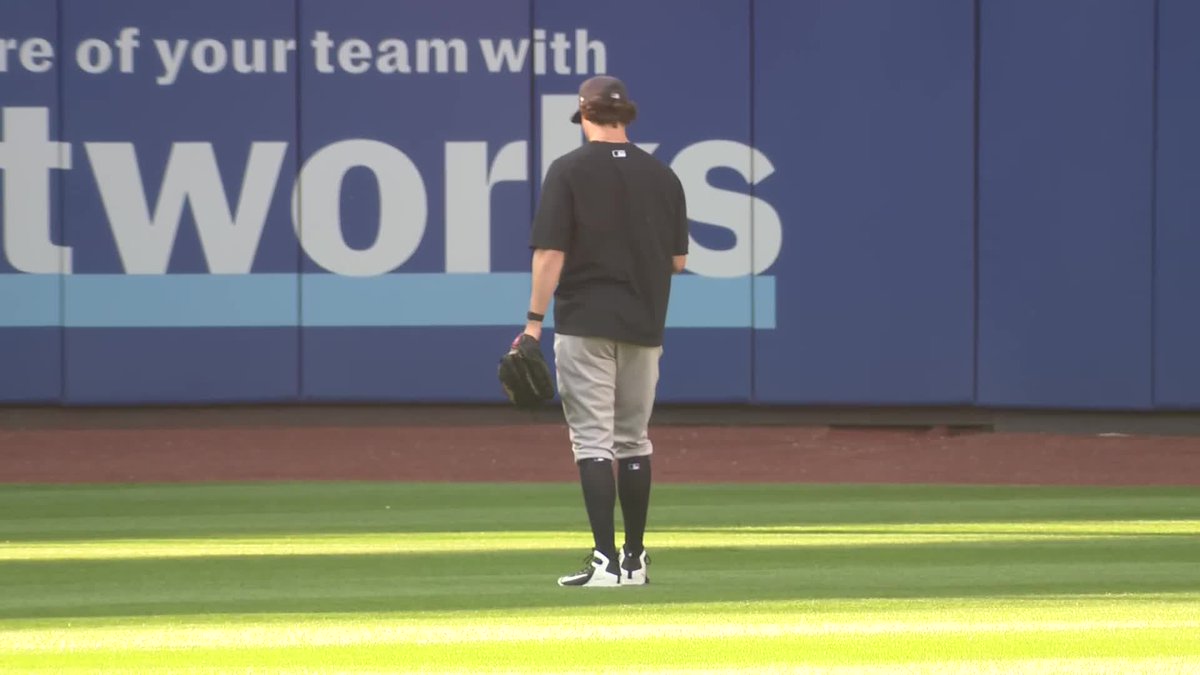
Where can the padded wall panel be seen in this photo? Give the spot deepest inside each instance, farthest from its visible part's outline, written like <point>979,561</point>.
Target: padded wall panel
<point>1065,203</point>
<point>424,317</point>
<point>864,108</point>
<point>30,217</point>
<point>1177,246</point>
<point>183,287</point>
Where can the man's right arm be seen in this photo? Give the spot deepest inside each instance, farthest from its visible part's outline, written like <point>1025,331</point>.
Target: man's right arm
<point>550,239</point>
<point>547,268</point>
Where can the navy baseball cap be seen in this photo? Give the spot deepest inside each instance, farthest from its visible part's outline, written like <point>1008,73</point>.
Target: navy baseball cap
<point>599,91</point>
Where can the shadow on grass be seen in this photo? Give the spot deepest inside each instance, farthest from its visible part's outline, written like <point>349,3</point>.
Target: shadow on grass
<point>1000,533</point>
<point>55,513</point>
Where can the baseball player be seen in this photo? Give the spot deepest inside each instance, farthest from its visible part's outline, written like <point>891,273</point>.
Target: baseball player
<point>610,230</point>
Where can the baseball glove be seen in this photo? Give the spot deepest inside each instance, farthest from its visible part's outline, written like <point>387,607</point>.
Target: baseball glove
<point>525,375</point>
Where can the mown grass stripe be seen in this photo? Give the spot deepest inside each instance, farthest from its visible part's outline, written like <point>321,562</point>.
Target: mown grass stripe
<point>1080,666</point>
<point>868,534</point>
<point>468,632</point>
<point>483,543</point>
<point>659,652</point>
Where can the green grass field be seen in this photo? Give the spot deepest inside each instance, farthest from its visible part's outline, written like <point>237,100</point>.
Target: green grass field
<point>374,577</point>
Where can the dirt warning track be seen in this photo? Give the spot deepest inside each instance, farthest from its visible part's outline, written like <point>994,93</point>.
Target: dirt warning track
<point>541,452</point>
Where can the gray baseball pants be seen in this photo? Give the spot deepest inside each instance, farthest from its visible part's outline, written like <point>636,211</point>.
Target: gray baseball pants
<point>607,390</point>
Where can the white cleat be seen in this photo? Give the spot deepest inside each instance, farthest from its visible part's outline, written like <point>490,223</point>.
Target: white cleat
<point>633,569</point>
<point>599,572</point>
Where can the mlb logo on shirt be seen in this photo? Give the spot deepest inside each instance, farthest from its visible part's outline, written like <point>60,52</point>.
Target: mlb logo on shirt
<point>618,153</point>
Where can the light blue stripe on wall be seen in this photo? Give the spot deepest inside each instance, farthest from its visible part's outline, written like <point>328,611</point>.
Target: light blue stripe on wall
<point>260,300</point>
<point>495,299</point>
<point>416,300</point>
<point>764,302</point>
<point>29,300</point>
<point>180,300</point>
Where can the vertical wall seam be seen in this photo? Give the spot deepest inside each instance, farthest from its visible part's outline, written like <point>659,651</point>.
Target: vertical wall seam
<point>300,395</point>
<point>1154,209</point>
<point>534,114</point>
<point>978,9</point>
<point>62,220</point>
<point>753,194</point>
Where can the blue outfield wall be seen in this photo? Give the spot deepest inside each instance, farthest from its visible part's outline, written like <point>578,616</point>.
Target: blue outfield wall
<point>1177,201</point>
<point>1065,203</point>
<point>142,135</point>
<point>31,295</point>
<point>866,109</point>
<point>930,202</point>
<point>435,142</point>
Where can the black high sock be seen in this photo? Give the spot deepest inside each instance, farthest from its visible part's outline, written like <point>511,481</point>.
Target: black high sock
<point>600,498</point>
<point>633,484</point>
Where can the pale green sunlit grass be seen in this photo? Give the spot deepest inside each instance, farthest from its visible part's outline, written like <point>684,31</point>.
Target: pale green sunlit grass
<point>873,534</point>
<point>699,636</point>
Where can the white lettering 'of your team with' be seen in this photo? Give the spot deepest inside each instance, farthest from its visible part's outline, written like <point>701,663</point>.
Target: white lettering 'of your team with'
<point>557,52</point>
<point>230,231</point>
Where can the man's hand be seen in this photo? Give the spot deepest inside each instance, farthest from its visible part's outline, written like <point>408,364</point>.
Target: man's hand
<point>525,375</point>
<point>534,330</point>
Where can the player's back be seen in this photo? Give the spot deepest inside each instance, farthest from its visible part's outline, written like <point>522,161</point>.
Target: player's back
<point>627,212</point>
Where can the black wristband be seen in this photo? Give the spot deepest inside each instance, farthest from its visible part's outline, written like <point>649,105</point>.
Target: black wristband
<point>534,316</point>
